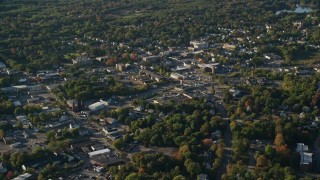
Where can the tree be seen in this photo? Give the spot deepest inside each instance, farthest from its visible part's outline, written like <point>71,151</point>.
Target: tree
<point>220,150</point>
<point>278,141</point>
<point>19,111</point>
<point>184,151</point>
<point>262,162</point>
<point>192,167</point>
<point>270,151</point>
<point>51,136</point>
<point>43,116</point>
<point>205,128</point>
<point>132,176</point>
<point>119,143</point>
<point>179,177</point>
<point>17,159</point>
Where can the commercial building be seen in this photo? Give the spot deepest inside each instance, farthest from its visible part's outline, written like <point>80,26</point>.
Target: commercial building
<point>98,106</point>
<point>99,152</point>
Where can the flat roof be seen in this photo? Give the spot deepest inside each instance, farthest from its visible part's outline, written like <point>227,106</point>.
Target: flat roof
<point>23,176</point>
<point>306,158</point>
<point>98,104</point>
<point>102,151</point>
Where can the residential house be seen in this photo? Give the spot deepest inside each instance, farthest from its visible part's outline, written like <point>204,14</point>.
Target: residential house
<point>24,176</point>
<point>203,177</point>
<point>2,65</point>
<point>9,140</point>
<point>150,75</point>
<point>177,76</point>
<point>306,158</point>
<point>74,105</point>
<point>111,120</point>
<point>108,130</point>
<point>198,45</point>
<point>151,59</point>
<point>139,108</point>
<point>82,60</point>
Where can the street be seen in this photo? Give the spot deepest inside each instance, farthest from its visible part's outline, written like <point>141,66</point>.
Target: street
<point>227,139</point>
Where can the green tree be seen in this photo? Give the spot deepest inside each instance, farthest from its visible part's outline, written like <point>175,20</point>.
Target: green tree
<point>179,177</point>
<point>132,176</point>
<point>51,136</point>
<point>119,143</point>
<point>19,111</point>
<point>192,167</point>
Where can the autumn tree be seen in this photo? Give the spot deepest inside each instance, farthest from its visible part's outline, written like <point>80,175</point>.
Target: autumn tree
<point>262,162</point>
<point>278,141</point>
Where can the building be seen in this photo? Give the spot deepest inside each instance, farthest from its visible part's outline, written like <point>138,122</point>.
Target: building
<point>98,106</point>
<point>97,147</point>
<point>99,152</point>
<point>122,67</point>
<point>2,65</point>
<point>82,60</point>
<point>106,160</point>
<point>3,170</point>
<point>111,120</point>
<point>108,130</point>
<point>272,56</point>
<point>198,45</point>
<point>203,177</point>
<point>297,24</point>
<point>139,108</point>
<point>103,58</point>
<point>24,176</point>
<point>177,76</point>
<point>80,142</point>
<point>228,46</point>
<point>306,158</point>
<point>9,140</point>
<point>83,131</point>
<point>150,59</point>
<point>151,75</point>
<point>74,105</point>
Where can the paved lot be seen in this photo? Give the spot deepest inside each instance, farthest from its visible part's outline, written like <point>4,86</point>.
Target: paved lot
<point>4,148</point>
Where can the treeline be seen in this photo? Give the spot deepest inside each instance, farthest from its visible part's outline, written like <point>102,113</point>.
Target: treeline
<point>38,34</point>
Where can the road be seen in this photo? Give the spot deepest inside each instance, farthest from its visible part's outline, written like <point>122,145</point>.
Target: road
<point>252,161</point>
<point>227,139</point>
<point>317,153</point>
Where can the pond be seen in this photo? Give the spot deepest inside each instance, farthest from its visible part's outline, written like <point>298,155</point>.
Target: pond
<point>299,9</point>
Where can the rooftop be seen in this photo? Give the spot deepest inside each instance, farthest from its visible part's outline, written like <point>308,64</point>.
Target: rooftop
<point>23,176</point>
<point>102,151</point>
<point>305,158</point>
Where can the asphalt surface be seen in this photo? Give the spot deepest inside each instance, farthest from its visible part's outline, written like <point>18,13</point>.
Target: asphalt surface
<point>227,139</point>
